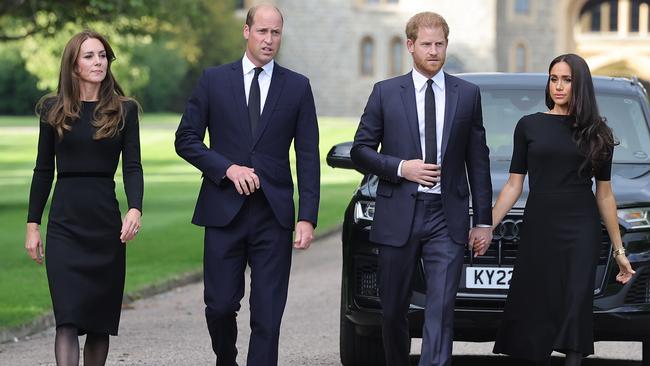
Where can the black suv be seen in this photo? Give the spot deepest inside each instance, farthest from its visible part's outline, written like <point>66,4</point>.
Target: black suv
<point>621,313</point>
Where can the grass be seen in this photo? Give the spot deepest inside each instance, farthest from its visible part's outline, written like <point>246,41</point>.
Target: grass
<point>167,245</point>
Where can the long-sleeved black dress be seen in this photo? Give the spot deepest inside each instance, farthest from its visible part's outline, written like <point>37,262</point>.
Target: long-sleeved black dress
<point>85,258</point>
<point>551,294</point>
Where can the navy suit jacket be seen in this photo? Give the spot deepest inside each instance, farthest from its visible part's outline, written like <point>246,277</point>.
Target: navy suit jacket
<point>390,120</point>
<point>218,103</point>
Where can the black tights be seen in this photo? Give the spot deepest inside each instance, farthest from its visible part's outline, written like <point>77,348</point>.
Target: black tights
<point>572,359</point>
<point>66,347</point>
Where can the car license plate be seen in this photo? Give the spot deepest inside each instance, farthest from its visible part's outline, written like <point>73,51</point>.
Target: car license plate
<point>488,277</point>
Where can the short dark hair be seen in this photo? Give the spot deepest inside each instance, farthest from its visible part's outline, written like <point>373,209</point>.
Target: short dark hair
<point>251,13</point>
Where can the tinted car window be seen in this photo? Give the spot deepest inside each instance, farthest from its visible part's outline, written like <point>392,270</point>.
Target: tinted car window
<point>625,116</point>
<point>502,109</point>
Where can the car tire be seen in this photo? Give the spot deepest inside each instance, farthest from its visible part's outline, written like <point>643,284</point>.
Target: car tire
<point>358,350</point>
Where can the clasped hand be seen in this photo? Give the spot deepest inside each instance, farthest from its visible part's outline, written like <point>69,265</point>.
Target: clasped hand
<point>420,172</point>
<point>244,179</point>
<point>480,239</point>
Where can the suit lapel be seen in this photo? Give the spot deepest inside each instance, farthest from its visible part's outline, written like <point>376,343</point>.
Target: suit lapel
<point>239,96</point>
<point>410,107</point>
<point>451,99</point>
<point>275,89</point>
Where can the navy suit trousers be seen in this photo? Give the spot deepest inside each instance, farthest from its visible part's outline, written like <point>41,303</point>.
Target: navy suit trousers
<point>253,238</point>
<point>443,261</point>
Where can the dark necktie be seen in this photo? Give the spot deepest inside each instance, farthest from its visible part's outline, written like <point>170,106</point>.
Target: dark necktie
<point>254,101</point>
<point>430,141</point>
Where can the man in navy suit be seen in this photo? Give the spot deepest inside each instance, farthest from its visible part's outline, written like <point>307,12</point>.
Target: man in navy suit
<point>253,110</point>
<point>430,128</point>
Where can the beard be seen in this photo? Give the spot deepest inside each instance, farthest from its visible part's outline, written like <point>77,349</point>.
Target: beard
<point>427,67</point>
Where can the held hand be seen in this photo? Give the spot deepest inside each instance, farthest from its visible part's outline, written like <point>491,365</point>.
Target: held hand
<point>33,243</point>
<point>304,235</point>
<point>625,269</point>
<point>419,172</point>
<point>244,179</point>
<point>130,225</point>
<point>480,239</point>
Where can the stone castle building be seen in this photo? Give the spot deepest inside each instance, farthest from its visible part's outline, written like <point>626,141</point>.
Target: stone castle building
<point>345,46</point>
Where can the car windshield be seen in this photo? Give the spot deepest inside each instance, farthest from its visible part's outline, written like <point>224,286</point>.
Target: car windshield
<point>503,108</point>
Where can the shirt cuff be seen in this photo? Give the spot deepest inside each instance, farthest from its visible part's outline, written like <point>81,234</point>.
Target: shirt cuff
<point>483,225</point>
<point>399,169</point>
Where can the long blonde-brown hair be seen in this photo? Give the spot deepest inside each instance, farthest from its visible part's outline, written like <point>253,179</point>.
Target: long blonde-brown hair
<point>63,107</point>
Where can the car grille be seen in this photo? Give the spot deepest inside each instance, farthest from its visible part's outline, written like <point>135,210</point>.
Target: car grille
<point>503,251</point>
<point>366,277</point>
<point>639,293</point>
<point>505,244</point>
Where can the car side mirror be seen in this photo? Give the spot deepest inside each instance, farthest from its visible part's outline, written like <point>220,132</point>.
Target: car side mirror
<point>339,157</point>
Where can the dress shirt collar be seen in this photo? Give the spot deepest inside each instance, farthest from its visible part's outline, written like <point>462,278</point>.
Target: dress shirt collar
<point>248,66</point>
<point>419,80</point>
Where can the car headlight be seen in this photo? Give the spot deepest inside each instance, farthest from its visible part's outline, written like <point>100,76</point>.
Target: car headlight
<point>364,210</point>
<point>635,218</point>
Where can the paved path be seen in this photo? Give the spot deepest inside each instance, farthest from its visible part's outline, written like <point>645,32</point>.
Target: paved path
<point>169,329</point>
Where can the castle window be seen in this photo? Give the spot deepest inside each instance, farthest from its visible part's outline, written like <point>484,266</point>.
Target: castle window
<point>522,6</point>
<point>367,56</point>
<point>396,56</point>
<point>520,58</point>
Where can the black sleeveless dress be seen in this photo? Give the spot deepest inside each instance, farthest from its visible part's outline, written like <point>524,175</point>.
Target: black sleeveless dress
<point>550,300</point>
<point>84,257</point>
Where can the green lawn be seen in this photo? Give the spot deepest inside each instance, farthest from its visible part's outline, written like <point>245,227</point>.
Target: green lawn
<point>167,244</point>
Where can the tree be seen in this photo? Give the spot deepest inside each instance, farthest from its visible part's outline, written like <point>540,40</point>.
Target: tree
<point>158,43</point>
<point>22,18</point>
<point>18,91</point>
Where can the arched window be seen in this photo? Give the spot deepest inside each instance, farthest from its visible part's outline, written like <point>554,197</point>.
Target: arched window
<point>519,58</point>
<point>396,56</point>
<point>367,56</point>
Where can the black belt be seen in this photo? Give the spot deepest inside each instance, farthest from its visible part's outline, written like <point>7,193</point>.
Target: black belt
<point>422,196</point>
<point>63,175</point>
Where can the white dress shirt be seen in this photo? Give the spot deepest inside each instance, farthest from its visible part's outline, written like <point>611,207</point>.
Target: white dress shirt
<point>420,83</point>
<point>264,79</point>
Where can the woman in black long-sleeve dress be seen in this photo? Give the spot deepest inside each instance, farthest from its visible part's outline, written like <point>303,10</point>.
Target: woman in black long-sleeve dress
<point>550,300</point>
<point>84,129</point>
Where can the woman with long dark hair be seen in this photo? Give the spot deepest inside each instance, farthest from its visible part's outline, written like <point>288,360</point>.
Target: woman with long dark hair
<point>549,306</point>
<point>84,128</point>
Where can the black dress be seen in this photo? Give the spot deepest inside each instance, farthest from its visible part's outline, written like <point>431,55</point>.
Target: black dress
<point>85,259</point>
<point>550,300</point>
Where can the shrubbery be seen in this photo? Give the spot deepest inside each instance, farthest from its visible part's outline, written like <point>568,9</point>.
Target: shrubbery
<point>18,91</point>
